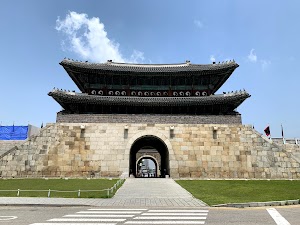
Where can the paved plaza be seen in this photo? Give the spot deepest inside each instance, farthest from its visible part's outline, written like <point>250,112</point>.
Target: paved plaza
<point>154,192</point>
<point>141,192</point>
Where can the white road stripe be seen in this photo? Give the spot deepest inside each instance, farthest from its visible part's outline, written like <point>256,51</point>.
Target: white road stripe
<point>165,222</point>
<point>175,210</point>
<point>114,216</point>
<point>170,218</point>
<point>110,212</point>
<point>84,220</point>
<point>2,218</point>
<point>174,214</point>
<point>277,217</point>
<point>116,209</point>
<point>73,224</point>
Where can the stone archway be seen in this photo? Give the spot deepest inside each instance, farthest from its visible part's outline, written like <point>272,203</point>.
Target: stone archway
<point>155,161</point>
<point>154,143</point>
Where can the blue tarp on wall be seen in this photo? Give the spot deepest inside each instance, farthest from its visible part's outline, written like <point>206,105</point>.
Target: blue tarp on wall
<point>13,132</point>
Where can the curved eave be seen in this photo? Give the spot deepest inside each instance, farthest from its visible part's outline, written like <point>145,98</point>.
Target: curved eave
<point>66,98</point>
<point>73,67</point>
<point>148,68</point>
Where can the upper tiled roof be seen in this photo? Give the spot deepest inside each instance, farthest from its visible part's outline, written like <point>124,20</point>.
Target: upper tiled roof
<point>150,68</point>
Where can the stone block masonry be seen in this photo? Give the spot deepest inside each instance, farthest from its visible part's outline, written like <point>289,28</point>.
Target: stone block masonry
<point>63,117</point>
<point>7,145</point>
<point>195,150</point>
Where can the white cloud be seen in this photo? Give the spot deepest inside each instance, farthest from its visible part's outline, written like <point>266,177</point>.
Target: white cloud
<point>212,58</point>
<point>198,23</point>
<point>136,56</point>
<point>252,56</point>
<point>265,64</point>
<point>88,38</point>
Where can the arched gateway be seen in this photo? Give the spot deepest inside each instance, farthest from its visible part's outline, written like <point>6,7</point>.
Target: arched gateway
<point>170,113</point>
<point>147,166</point>
<point>152,147</point>
<point>153,110</point>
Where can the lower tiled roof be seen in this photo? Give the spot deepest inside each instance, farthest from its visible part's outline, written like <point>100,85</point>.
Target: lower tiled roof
<point>65,98</point>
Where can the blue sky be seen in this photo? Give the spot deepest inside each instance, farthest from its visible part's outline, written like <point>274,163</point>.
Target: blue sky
<point>261,36</point>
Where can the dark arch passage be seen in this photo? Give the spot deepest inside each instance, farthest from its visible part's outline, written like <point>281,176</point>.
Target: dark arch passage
<point>153,142</point>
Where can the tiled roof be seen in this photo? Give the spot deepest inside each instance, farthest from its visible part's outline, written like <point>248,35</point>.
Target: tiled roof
<point>149,68</point>
<point>65,98</point>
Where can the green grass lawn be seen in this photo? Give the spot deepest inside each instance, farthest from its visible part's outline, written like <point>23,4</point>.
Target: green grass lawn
<point>56,184</point>
<point>239,191</point>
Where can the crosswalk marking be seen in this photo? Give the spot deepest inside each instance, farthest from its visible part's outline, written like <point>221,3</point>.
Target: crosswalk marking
<point>164,222</point>
<point>85,220</point>
<point>73,224</point>
<point>109,212</point>
<point>98,215</point>
<point>174,214</point>
<point>175,210</point>
<point>115,216</point>
<point>170,218</point>
<point>117,209</point>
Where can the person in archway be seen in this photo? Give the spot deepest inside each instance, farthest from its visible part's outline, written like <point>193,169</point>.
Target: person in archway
<point>130,173</point>
<point>165,173</point>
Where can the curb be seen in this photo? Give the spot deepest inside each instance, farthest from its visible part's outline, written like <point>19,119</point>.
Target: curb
<point>259,204</point>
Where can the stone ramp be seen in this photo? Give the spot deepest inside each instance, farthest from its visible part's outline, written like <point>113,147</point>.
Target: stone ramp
<point>7,145</point>
<point>157,192</point>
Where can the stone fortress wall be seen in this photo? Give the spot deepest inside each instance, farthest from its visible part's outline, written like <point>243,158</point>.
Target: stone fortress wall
<point>148,118</point>
<point>7,145</point>
<point>195,151</point>
<point>279,141</point>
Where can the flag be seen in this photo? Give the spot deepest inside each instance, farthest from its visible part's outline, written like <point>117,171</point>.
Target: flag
<point>283,140</point>
<point>267,131</point>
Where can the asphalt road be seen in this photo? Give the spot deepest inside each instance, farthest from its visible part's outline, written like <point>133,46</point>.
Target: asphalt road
<point>21,215</point>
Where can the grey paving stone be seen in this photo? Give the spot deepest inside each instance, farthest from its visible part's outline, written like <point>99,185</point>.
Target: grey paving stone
<point>134,192</point>
<point>155,192</point>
